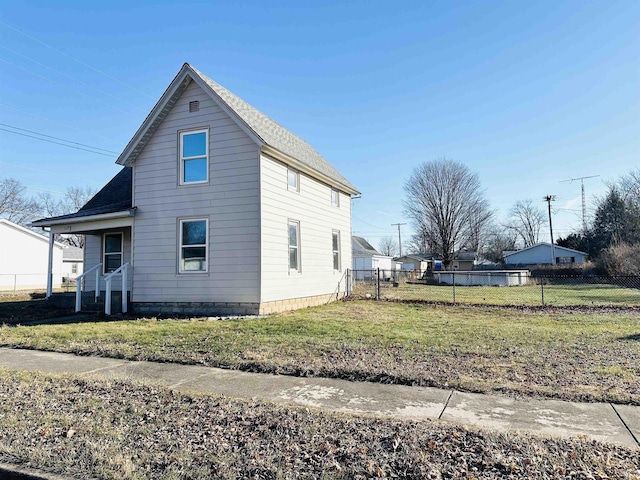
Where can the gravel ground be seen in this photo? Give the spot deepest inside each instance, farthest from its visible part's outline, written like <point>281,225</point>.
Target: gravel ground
<point>117,429</point>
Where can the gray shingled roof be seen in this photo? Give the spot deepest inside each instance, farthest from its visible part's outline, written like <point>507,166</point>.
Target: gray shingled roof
<point>273,134</point>
<point>72,254</point>
<point>115,196</point>
<point>263,128</point>
<point>361,245</point>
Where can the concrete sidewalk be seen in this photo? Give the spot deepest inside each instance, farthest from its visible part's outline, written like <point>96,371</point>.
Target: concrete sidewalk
<point>601,421</point>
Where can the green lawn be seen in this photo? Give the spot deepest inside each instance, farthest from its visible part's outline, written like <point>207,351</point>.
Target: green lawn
<point>554,294</point>
<point>579,356</point>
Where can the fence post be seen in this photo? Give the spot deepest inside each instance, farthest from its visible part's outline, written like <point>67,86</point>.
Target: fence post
<point>453,280</point>
<point>15,283</point>
<point>542,288</point>
<point>378,285</point>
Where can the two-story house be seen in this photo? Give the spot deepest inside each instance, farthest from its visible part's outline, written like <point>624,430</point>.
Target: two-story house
<point>218,209</point>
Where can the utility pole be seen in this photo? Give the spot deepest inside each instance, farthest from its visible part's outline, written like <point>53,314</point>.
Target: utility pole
<point>549,199</point>
<point>584,202</point>
<point>399,236</point>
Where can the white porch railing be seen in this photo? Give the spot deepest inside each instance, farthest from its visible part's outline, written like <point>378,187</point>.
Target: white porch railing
<point>124,270</point>
<point>79,280</point>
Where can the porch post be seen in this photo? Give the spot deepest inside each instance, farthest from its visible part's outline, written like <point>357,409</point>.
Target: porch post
<point>50,266</point>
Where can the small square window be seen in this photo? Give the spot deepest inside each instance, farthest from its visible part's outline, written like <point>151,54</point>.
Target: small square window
<point>335,198</point>
<point>194,157</point>
<point>293,180</point>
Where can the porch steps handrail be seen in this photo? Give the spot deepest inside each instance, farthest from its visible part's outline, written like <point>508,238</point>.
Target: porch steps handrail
<point>124,270</point>
<point>79,279</point>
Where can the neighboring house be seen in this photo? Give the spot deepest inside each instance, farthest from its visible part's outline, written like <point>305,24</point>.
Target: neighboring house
<point>540,254</point>
<point>24,257</point>
<point>464,261</point>
<point>366,258</point>
<point>72,262</point>
<point>218,209</point>
<point>420,262</point>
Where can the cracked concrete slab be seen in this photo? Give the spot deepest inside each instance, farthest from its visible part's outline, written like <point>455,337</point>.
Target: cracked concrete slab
<point>338,395</point>
<point>549,417</point>
<point>630,415</point>
<point>52,362</point>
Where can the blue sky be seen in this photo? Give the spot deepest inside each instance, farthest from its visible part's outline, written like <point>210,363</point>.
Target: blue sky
<point>526,94</point>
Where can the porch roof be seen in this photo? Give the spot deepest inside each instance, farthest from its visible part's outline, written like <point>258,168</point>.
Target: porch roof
<point>114,199</point>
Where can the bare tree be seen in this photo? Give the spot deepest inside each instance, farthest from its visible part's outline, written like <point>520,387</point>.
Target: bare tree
<point>525,220</point>
<point>498,241</point>
<point>74,199</point>
<point>445,201</point>
<point>15,206</point>
<point>388,246</point>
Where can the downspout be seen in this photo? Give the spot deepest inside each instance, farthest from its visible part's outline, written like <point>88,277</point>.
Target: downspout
<point>50,266</point>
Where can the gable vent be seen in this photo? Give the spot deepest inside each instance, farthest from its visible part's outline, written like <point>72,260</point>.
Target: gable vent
<point>194,106</point>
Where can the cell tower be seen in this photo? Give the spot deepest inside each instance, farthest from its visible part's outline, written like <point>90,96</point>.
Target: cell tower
<point>584,201</point>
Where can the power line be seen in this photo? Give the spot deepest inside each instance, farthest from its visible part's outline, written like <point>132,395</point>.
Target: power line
<point>64,85</point>
<point>56,138</point>
<point>70,77</point>
<point>74,59</point>
<point>13,107</point>
<point>58,143</point>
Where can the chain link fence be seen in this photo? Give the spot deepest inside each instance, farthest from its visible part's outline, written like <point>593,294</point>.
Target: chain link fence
<point>497,287</point>
<point>15,282</point>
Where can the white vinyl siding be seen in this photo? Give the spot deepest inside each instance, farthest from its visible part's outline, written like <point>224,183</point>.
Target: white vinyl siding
<point>230,200</point>
<point>318,219</point>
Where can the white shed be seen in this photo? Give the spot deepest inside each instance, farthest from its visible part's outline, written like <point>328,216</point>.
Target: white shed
<point>24,257</point>
<point>540,254</point>
<point>365,257</point>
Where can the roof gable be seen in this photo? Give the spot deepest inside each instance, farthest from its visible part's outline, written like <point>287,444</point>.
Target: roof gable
<point>26,231</point>
<point>361,245</point>
<point>262,129</point>
<point>544,244</point>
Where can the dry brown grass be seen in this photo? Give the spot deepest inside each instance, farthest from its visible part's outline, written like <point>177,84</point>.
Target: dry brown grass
<point>119,429</point>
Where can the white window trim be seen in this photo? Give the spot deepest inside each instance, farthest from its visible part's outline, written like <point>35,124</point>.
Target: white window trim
<point>297,174</point>
<point>104,248</point>
<point>206,246</point>
<point>336,232</point>
<point>337,202</point>
<point>182,159</point>
<point>298,247</point>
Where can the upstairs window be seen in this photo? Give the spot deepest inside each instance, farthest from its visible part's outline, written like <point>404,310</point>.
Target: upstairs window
<point>194,154</point>
<point>335,198</point>
<point>112,252</point>
<point>293,180</point>
<point>335,246</point>
<point>193,245</point>
<point>294,246</point>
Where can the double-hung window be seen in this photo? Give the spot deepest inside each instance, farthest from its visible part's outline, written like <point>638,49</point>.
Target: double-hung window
<point>293,180</point>
<point>193,245</point>
<point>335,198</point>
<point>194,157</point>
<point>335,247</point>
<point>294,246</point>
<point>111,252</point>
